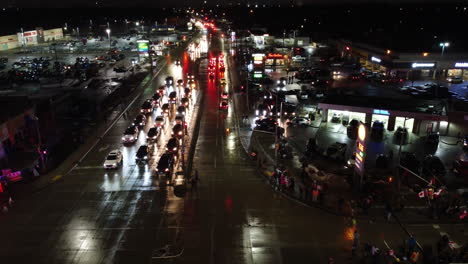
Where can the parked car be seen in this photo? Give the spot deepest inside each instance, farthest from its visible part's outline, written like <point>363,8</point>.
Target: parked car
<point>401,136</point>
<point>336,151</point>
<point>352,129</point>
<point>113,160</point>
<point>300,121</point>
<point>454,79</point>
<point>377,131</point>
<point>460,166</point>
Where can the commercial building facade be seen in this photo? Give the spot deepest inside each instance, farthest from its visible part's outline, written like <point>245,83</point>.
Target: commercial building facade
<point>410,65</point>
<point>432,118</point>
<point>29,38</point>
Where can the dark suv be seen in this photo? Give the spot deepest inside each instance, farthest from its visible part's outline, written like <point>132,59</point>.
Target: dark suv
<point>142,154</point>
<point>166,163</point>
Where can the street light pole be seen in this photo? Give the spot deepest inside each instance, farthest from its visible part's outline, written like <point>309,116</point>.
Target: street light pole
<point>443,45</point>
<point>109,36</point>
<point>39,142</point>
<point>399,157</point>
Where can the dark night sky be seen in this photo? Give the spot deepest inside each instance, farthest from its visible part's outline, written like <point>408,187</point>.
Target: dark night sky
<point>167,3</point>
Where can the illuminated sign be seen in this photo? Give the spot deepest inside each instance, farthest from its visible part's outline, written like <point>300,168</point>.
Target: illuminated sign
<point>143,46</point>
<point>461,65</point>
<point>381,112</point>
<point>275,56</point>
<point>258,60</point>
<point>360,150</point>
<point>258,75</point>
<point>375,59</point>
<point>423,65</point>
<point>258,55</point>
<point>362,133</point>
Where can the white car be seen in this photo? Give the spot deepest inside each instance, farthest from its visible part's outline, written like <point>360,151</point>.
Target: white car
<point>159,121</point>
<point>114,159</point>
<point>300,121</point>
<point>454,79</point>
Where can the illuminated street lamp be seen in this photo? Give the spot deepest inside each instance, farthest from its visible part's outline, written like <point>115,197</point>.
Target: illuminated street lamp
<point>108,31</point>
<point>443,45</point>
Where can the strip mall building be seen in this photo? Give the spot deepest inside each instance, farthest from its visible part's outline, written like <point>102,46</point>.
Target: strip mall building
<point>410,65</point>
<point>31,37</point>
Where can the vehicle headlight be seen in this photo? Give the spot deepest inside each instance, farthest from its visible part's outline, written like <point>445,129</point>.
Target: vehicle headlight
<point>145,157</point>
<point>180,132</point>
<point>132,137</point>
<point>123,138</point>
<point>256,112</point>
<point>166,170</point>
<point>174,149</point>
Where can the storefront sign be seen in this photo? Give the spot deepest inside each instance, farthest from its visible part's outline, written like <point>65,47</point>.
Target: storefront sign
<point>381,112</point>
<point>360,150</point>
<point>375,59</point>
<point>461,65</point>
<point>275,56</point>
<point>258,75</point>
<point>423,65</point>
<point>143,46</point>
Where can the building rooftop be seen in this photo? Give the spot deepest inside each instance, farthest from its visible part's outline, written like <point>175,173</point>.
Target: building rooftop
<point>410,105</point>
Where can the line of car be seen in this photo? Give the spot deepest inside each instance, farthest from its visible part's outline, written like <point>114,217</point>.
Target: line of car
<point>169,158</point>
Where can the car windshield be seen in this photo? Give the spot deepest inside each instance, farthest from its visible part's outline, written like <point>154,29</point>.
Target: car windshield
<point>159,118</point>
<point>146,105</point>
<point>112,157</point>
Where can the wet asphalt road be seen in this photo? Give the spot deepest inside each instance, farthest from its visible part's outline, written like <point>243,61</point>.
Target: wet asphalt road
<point>126,215</point>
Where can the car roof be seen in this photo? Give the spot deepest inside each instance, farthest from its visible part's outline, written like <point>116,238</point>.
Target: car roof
<point>143,147</point>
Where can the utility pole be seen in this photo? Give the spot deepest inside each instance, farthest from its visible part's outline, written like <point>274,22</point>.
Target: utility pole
<point>399,157</point>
